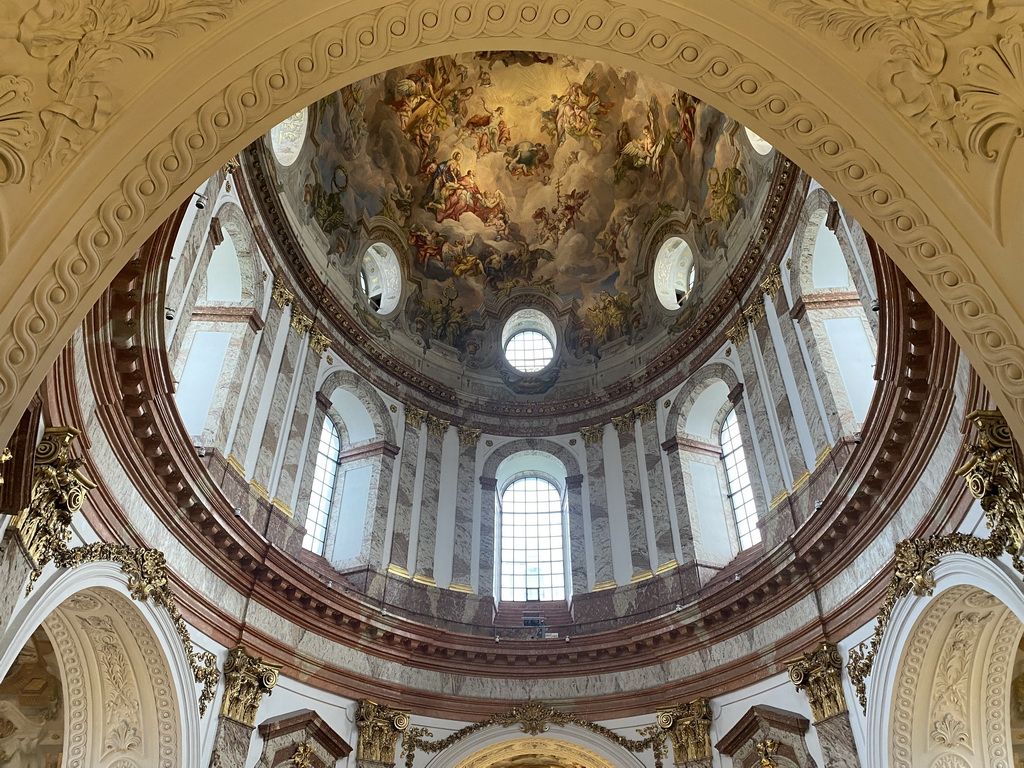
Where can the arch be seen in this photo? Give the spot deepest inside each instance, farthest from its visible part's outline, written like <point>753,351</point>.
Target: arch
<point>352,385</point>
<point>978,607</point>
<point>93,625</point>
<point>690,393</point>
<point>59,274</point>
<point>479,749</point>
<point>235,224</point>
<point>565,456</point>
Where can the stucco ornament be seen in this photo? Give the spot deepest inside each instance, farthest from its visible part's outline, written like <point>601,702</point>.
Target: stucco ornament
<point>956,97</point>
<point>819,675</point>
<point>17,132</point>
<point>379,727</point>
<point>81,41</point>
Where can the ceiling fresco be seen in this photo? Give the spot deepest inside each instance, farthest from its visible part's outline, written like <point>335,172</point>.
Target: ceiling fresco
<point>517,178</point>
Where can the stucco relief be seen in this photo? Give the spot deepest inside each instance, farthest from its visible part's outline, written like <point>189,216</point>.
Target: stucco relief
<point>679,52</point>
<point>950,695</point>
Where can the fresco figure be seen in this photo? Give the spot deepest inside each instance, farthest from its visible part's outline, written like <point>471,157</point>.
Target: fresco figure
<point>445,172</point>
<point>686,106</point>
<point>576,113</point>
<point>527,158</point>
<point>724,190</point>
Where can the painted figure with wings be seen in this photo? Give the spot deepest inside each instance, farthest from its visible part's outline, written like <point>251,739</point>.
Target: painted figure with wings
<point>646,151</point>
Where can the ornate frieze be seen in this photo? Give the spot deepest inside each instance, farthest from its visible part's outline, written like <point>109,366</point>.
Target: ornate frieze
<point>437,427</point>
<point>689,728</point>
<point>819,674</point>
<point>414,416</point>
<point>592,434</point>
<point>469,436</point>
<point>246,680</point>
<point>993,477</point>
<point>379,727</point>
<point>282,296</point>
<point>58,491</point>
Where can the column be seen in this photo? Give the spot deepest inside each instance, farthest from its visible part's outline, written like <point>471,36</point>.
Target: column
<point>380,493</point>
<point>689,729</point>
<point>462,571</point>
<point>426,541</point>
<point>379,727</point>
<point>488,490</point>
<point>282,487</point>
<point>819,675</point>
<point>401,531</point>
<point>577,541</point>
<point>246,680</point>
<point>677,476</point>
<point>600,537</point>
<point>639,551</point>
<point>272,340</point>
<point>664,553</point>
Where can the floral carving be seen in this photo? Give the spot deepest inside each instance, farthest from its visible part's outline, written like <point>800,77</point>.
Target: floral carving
<point>17,133</point>
<point>921,79</point>
<point>949,732</point>
<point>81,41</point>
<point>950,696</point>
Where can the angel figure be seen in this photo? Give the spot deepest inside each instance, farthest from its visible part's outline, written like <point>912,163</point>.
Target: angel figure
<point>647,151</point>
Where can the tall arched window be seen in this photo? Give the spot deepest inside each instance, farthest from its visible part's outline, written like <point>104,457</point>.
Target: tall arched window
<point>740,492</point>
<point>322,490</point>
<point>532,549</point>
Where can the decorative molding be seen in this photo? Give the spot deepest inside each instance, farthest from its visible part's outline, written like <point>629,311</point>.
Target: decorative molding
<point>379,727</point>
<point>819,675</point>
<point>58,491</point>
<point>689,728</point>
<point>533,719</point>
<point>950,697</point>
<point>469,436</point>
<point>246,680</point>
<point>18,135</point>
<point>592,435</point>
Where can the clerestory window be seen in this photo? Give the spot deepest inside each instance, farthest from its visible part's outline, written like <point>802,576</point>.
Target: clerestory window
<point>322,491</point>
<point>740,493</point>
<point>532,550</point>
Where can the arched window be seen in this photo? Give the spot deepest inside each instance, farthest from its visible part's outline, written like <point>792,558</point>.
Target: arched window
<point>322,492</point>
<point>740,492</point>
<point>532,547</point>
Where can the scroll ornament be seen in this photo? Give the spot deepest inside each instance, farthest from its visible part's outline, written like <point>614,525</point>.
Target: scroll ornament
<point>246,680</point>
<point>379,727</point>
<point>689,727</point>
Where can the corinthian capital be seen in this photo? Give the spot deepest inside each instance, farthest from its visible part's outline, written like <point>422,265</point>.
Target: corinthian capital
<point>819,675</point>
<point>246,680</point>
<point>379,727</point>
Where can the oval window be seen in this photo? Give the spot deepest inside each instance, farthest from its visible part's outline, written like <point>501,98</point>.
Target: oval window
<point>674,272</point>
<point>529,340</point>
<point>381,278</point>
<point>287,137</point>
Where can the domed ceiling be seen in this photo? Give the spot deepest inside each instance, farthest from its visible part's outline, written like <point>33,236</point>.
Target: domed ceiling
<point>505,180</point>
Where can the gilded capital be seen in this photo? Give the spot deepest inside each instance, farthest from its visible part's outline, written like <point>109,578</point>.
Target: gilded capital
<point>754,311</point>
<point>300,322</point>
<point>414,416</point>
<point>246,680</point>
<point>469,436</point>
<point>623,424</point>
<point>737,334</point>
<point>993,477</point>
<point>319,341</point>
<point>689,728</point>
<point>437,427</point>
<point>819,675</point>
<point>282,295</point>
<point>773,281</point>
<point>646,412</point>
<point>379,727</point>
<point>592,434</point>
<point>58,491</point>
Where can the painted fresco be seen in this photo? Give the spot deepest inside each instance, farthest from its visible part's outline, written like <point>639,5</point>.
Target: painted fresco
<point>512,170</point>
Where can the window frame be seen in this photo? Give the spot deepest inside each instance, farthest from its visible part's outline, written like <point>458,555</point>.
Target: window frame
<point>558,587</point>
<point>324,507</point>
<point>740,486</point>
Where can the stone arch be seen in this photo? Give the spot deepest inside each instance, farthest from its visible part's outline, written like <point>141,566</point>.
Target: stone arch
<point>367,395</point>
<point>694,387</point>
<point>934,236</point>
<point>116,657</point>
<point>941,682</point>
<point>559,451</point>
<point>235,223</point>
<point>492,744</point>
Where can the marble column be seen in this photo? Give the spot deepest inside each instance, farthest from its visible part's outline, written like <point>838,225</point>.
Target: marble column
<point>639,550</point>
<point>819,675</point>
<point>380,497</point>
<point>271,341</point>
<point>462,571</point>
<point>816,361</point>
<point>677,476</point>
<point>426,542</point>
<point>600,535</point>
<point>488,492</point>
<point>401,530</point>
<point>664,542</point>
<point>247,679</point>
<point>577,540</point>
<point>282,487</point>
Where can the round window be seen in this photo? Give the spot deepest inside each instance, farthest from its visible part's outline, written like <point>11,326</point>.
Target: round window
<point>760,146</point>
<point>287,137</point>
<point>380,277</point>
<point>674,272</point>
<point>528,339</point>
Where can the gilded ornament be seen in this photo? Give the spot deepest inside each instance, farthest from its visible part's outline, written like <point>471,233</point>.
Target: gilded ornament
<point>593,434</point>
<point>819,675</point>
<point>232,165</point>
<point>766,750</point>
<point>303,756</point>
<point>737,333</point>
<point>281,295</point>
<point>689,727</point>
<point>533,718</point>
<point>993,477</point>
<point>437,427</point>
<point>414,416</point>
<point>319,341</point>
<point>623,424</point>
<point>379,727</point>
<point>754,311</point>
<point>646,412</point>
<point>58,491</point>
<point>773,281</point>
<point>300,321</point>
<point>469,436</point>
<point>246,680</point>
